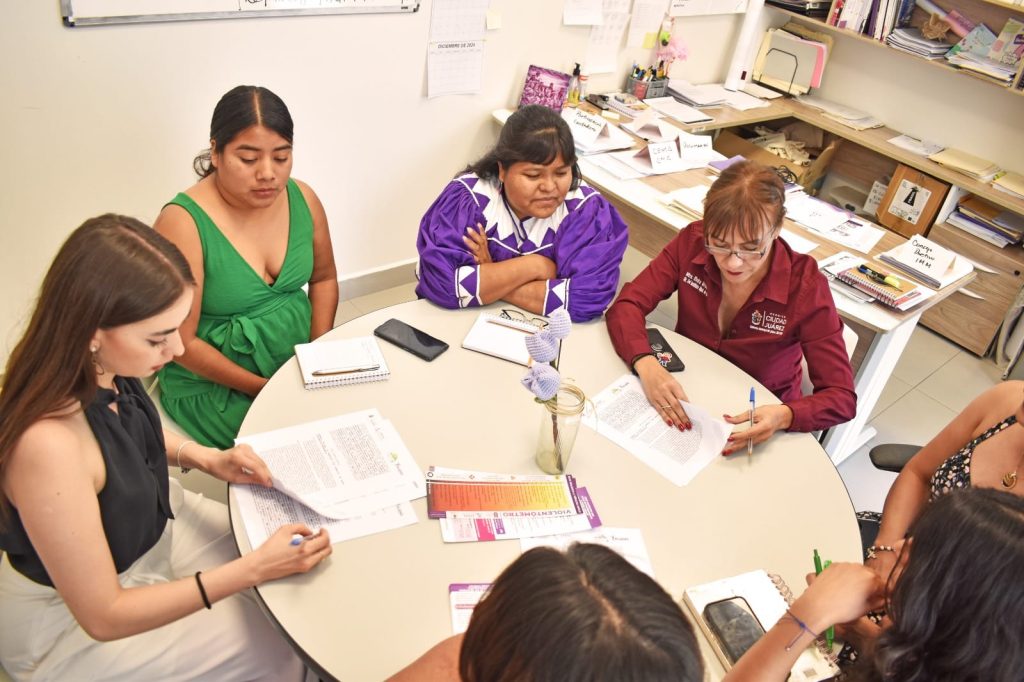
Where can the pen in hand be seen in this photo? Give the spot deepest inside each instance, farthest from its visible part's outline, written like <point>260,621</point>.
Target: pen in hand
<point>750,441</point>
<point>830,633</point>
<point>332,371</point>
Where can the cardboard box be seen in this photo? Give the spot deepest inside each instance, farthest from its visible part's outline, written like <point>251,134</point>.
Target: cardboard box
<point>911,202</point>
<point>731,144</point>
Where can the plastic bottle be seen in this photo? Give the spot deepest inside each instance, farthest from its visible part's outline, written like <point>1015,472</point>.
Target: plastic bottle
<point>583,86</point>
<point>574,86</point>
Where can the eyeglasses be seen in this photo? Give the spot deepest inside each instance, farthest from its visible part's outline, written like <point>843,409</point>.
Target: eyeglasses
<point>742,254</point>
<point>519,316</point>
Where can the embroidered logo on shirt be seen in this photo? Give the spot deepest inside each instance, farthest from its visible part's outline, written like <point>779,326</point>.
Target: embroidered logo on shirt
<point>696,282</point>
<point>770,323</point>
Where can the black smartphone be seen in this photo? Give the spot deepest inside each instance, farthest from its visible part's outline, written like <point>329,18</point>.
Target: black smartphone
<point>734,624</point>
<point>663,352</point>
<point>407,337</point>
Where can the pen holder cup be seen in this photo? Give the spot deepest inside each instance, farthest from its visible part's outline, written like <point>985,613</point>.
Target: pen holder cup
<point>647,89</point>
<point>560,422</point>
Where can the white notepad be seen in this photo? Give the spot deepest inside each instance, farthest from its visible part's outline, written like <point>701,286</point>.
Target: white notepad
<point>502,338</point>
<point>345,361</point>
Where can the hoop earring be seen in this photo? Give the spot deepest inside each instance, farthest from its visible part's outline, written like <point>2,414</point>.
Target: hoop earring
<point>96,362</point>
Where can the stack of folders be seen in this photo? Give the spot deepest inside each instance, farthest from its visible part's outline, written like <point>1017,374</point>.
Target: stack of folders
<point>905,296</point>
<point>968,164</point>
<point>733,612</point>
<point>987,221</point>
<point>707,95</point>
<point>345,361</point>
<point>789,63</point>
<point>1010,183</point>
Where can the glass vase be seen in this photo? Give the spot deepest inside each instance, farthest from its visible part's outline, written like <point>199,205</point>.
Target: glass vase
<point>559,424</point>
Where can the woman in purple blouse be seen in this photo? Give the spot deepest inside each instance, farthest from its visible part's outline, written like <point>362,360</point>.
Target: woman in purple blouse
<point>519,225</point>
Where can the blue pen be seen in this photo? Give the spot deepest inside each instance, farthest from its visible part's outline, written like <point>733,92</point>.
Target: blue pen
<point>750,441</point>
<point>297,540</point>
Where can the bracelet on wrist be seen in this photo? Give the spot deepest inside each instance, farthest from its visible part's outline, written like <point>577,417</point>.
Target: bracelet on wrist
<point>873,550</point>
<point>177,455</point>
<point>803,628</point>
<point>202,591</point>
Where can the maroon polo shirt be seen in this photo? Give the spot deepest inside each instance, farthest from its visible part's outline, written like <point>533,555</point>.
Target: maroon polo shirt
<point>789,315</point>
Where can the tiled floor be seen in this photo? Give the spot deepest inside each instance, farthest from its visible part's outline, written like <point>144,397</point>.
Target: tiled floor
<point>932,382</point>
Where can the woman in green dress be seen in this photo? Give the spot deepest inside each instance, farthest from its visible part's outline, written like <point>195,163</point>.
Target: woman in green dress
<point>253,237</point>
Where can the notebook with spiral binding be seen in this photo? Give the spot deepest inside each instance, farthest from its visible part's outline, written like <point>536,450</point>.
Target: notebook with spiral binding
<point>768,597</point>
<point>907,296</point>
<point>341,362</point>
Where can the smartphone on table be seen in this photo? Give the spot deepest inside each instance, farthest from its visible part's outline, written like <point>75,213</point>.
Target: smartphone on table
<point>734,624</point>
<point>663,352</point>
<point>409,338</point>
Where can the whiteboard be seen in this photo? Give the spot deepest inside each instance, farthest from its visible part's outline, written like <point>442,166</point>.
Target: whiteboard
<point>93,12</point>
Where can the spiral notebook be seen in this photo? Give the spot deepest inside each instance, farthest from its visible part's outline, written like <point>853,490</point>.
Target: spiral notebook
<point>500,337</point>
<point>768,597</point>
<point>341,362</point>
<point>907,296</point>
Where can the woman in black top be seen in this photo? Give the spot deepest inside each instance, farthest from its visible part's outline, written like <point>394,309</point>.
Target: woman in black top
<point>107,563</point>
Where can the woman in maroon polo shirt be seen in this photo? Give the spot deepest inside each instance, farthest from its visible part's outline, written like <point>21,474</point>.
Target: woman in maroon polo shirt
<point>746,295</point>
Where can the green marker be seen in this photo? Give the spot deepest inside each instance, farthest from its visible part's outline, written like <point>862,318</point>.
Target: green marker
<point>830,633</point>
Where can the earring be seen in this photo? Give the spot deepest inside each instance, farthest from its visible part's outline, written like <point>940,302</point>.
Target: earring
<point>96,362</point>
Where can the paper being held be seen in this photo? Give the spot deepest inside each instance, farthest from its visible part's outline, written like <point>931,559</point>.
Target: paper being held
<point>623,415</point>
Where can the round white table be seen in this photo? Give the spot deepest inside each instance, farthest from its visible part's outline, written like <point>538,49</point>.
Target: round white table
<point>382,600</point>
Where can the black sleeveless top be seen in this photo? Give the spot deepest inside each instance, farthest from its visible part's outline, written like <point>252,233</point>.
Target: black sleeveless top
<point>134,504</point>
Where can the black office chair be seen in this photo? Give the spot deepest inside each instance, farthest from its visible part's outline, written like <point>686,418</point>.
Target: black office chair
<point>892,456</point>
<point>887,457</point>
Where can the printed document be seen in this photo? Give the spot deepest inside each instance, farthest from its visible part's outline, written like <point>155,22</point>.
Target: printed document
<point>624,416</point>
<point>341,467</point>
<point>627,542</point>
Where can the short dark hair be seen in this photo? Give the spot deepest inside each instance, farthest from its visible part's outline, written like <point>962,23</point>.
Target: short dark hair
<point>534,134</point>
<point>745,198</point>
<point>957,607</point>
<point>241,107</point>
<point>583,615</point>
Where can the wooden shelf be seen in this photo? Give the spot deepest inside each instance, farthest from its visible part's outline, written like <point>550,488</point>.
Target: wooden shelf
<point>1004,9</point>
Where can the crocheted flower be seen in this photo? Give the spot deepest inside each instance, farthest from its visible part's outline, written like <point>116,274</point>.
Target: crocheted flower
<point>559,324</point>
<point>542,380</point>
<point>542,346</point>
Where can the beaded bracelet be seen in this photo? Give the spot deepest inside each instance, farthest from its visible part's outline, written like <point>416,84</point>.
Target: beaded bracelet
<point>177,455</point>
<point>202,591</point>
<point>803,629</point>
<point>873,550</point>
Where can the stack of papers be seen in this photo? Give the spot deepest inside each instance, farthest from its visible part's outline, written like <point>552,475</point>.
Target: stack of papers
<point>916,146</point>
<point>913,41</point>
<point>962,162</point>
<point>789,63</point>
<point>1011,183</point>
<point>593,134</point>
<point>848,116</point>
<point>709,95</point>
<point>350,474</point>
<point>990,68</point>
<point>668,106</point>
<point>831,222</point>
<point>689,201</point>
<point>476,506</point>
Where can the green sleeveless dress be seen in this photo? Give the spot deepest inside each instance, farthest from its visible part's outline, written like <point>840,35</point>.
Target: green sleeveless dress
<point>254,324</point>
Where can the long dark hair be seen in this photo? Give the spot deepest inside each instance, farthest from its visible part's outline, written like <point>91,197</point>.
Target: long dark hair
<point>534,134</point>
<point>112,270</point>
<point>586,615</point>
<point>241,107</point>
<point>958,608</point>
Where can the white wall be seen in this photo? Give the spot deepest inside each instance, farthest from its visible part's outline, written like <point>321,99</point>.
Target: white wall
<point>108,118</point>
